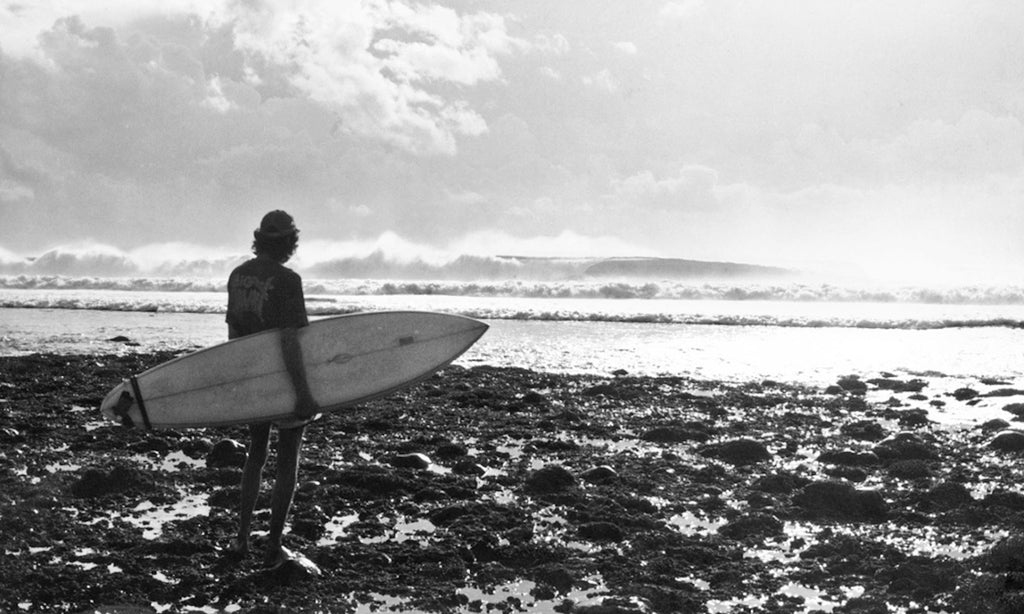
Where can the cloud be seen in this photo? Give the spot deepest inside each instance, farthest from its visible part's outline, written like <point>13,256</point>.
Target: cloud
<point>692,188</point>
<point>625,47</point>
<point>681,9</point>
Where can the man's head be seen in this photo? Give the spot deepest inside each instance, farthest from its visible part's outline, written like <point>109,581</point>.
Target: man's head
<point>277,236</point>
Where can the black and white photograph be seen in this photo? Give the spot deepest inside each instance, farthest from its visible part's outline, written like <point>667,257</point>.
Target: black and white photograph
<point>497,307</point>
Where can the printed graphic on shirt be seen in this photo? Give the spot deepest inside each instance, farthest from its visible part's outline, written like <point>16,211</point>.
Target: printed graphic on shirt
<point>252,293</point>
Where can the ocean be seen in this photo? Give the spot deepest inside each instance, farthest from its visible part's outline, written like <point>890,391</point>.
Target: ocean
<point>736,331</point>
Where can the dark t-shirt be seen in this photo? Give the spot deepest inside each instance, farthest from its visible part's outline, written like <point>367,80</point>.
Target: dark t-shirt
<point>264,294</point>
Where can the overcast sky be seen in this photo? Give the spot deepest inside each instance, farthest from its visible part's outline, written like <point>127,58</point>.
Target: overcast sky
<point>870,133</point>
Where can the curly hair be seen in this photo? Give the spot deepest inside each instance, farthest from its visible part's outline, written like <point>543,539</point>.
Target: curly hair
<point>278,248</point>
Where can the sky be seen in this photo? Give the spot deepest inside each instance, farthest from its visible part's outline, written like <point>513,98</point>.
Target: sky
<point>872,135</point>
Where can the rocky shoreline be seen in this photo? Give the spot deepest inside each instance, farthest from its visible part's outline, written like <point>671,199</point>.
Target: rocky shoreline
<point>507,490</point>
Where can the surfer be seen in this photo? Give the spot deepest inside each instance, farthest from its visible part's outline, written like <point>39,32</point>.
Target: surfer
<point>264,294</point>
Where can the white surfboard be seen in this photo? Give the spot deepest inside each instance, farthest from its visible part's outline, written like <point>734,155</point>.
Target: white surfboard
<point>348,359</point>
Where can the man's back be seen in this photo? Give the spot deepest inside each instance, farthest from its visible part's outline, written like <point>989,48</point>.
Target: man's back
<point>264,294</point>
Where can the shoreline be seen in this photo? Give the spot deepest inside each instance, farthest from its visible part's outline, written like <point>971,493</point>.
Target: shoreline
<point>544,492</point>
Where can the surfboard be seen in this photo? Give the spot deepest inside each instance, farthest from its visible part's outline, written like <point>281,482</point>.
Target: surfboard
<point>348,360</point>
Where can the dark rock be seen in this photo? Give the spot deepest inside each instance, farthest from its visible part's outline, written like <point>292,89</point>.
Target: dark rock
<point>1005,499</point>
<point>674,434</point>
<point>996,424</point>
<point>601,531</point>
<point>964,394</point>
<point>413,460</point>
<point>226,453</point>
<point>779,483</point>
<point>600,474</point>
<point>839,500</point>
<point>912,469</point>
<point>534,398</point>
<point>451,450</point>
<point>852,383</point>
<point>849,458</point>
<point>949,495</point>
<point>864,430</point>
<point>833,390</point>
<point>96,482</point>
<point>896,385</point>
<point>757,525</point>
<point>1017,409</point>
<point>294,570</point>
<point>1008,441</point>
<point>905,446</point>
<point>738,452</point>
<point>1004,392</point>
<point>550,479</point>
<point>467,466</point>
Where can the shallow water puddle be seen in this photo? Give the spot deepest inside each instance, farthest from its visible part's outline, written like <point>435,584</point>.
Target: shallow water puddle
<point>398,529</point>
<point>513,596</point>
<point>690,524</point>
<point>171,463</point>
<point>151,518</point>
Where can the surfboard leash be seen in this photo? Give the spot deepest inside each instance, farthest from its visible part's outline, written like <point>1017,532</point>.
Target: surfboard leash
<point>125,403</point>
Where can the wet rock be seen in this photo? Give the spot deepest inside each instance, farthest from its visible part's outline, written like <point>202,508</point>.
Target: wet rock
<point>838,500</point>
<point>412,460</point>
<point>863,605</point>
<point>949,495</point>
<point>195,447</point>
<point>550,479</point>
<point>1005,499</point>
<point>1008,441</point>
<point>913,418</point>
<point>674,434</point>
<point>913,469</point>
<point>964,394</point>
<point>852,383</point>
<point>780,483</point>
<point>897,385</point>
<point>468,466</point>
<point>756,525</point>
<point>1017,409</point>
<point>556,576</point>
<point>96,482</point>
<point>451,450</point>
<point>294,570</point>
<point>600,475</point>
<point>534,398</point>
<point>849,458</point>
<point>864,430</point>
<point>905,446</point>
<point>834,390</point>
<point>226,453</point>
<point>996,424</point>
<point>738,452</point>
<point>1004,392</point>
<point>601,531</point>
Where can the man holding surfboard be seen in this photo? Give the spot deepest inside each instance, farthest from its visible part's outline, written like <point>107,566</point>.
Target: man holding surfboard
<point>263,294</point>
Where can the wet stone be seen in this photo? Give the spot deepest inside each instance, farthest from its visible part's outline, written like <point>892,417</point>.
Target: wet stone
<point>839,500</point>
<point>1008,441</point>
<point>601,531</point>
<point>550,479</point>
<point>600,475</point>
<point>949,495</point>
<point>413,460</point>
<point>226,453</point>
<point>739,452</point>
<point>913,469</point>
<point>674,434</point>
<point>905,446</point>
<point>756,525</point>
<point>864,430</point>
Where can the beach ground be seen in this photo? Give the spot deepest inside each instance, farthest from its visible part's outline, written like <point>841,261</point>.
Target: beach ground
<point>507,490</point>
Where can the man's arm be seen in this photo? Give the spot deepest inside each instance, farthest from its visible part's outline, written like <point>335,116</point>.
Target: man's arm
<point>305,406</point>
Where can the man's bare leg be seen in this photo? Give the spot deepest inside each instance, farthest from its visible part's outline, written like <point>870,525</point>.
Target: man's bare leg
<point>289,444</point>
<point>252,475</point>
